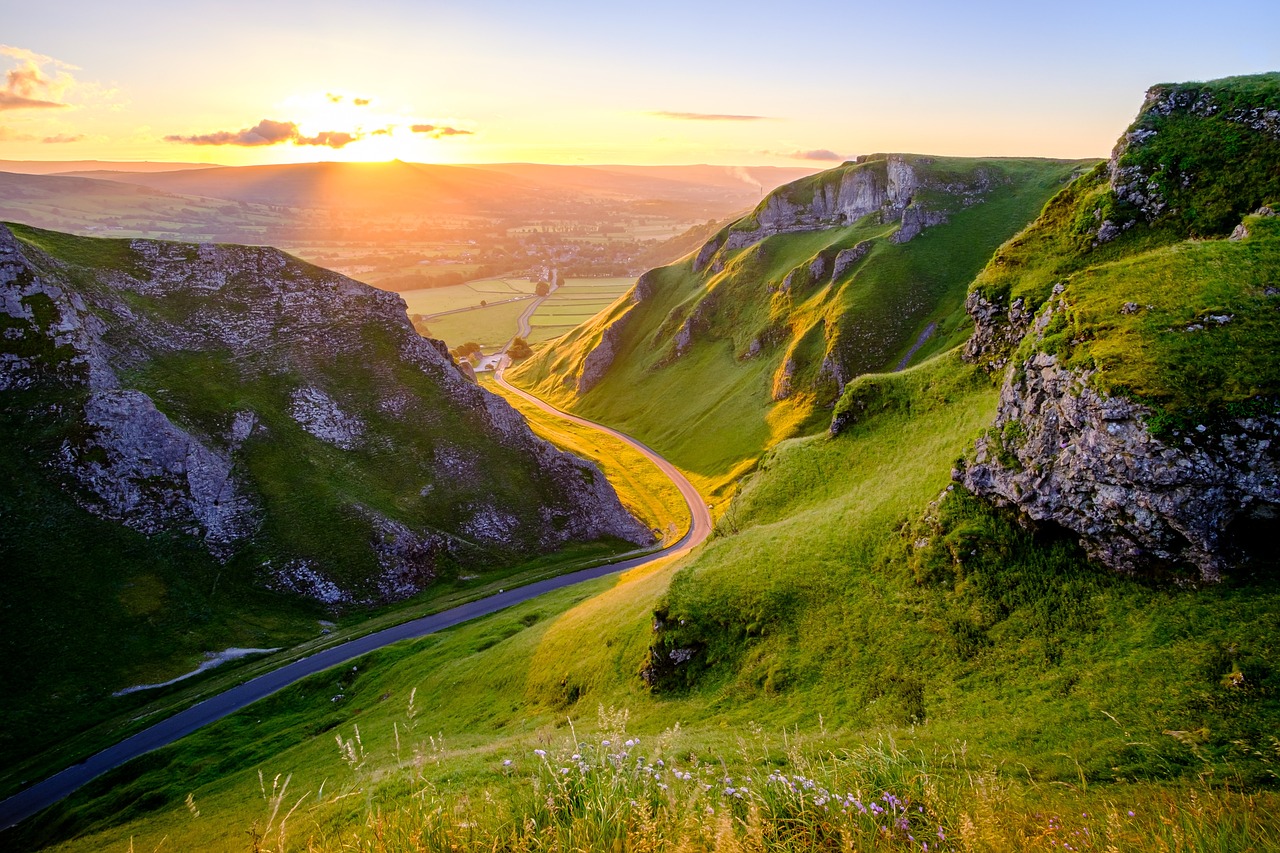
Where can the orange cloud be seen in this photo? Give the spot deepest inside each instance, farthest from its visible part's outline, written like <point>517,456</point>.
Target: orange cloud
<point>436,131</point>
<point>30,85</point>
<point>707,116</point>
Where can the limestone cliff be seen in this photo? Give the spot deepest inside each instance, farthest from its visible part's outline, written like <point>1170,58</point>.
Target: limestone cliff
<point>1138,404</point>
<point>242,397</point>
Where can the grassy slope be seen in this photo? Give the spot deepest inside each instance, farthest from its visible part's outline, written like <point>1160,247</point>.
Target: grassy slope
<point>816,614</point>
<point>641,487</point>
<point>711,411</point>
<point>1209,170</point>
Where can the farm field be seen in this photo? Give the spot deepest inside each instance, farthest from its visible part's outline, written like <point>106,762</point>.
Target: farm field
<point>490,327</point>
<point>573,303</point>
<point>433,300</point>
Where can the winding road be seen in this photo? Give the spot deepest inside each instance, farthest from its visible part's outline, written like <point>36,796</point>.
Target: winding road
<point>44,794</point>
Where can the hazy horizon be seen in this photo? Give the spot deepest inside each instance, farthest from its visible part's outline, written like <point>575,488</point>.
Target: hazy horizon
<point>569,84</point>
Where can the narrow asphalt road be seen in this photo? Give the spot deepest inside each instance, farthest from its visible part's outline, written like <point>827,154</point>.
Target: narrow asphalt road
<point>700,526</point>
<point>44,794</point>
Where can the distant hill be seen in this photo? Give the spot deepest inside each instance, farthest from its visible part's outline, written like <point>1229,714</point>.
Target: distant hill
<point>499,190</point>
<point>58,167</point>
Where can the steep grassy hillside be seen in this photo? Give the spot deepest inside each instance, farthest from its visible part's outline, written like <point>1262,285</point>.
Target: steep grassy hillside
<point>211,447</point>
<point>1025,691</point>
<point>1133,328</point>
<point>862,268</point>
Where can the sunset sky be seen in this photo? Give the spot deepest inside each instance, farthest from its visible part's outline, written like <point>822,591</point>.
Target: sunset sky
<point>573,82</point>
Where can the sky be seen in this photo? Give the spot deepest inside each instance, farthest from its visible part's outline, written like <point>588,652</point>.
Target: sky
<point>560,81</point>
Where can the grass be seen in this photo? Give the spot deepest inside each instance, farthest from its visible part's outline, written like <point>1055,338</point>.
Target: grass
<point>1208,170</point>
<point>643,489</point>
<point>490,327</point>
<point>436,299</point>
<point>749,326</point>
<point>956,671</point>
<point>1201,344</point>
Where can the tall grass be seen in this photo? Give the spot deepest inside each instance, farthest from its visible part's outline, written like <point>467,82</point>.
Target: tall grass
<point>611,790</point>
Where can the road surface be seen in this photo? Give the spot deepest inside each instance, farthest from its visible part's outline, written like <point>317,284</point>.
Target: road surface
<point>700,524</point>
<point>44,794</point>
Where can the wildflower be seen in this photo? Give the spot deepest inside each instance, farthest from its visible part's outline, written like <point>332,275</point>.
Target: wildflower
<point>942,836</point>
<point>1130,813</point>
<point>506,762</point>
<point>541,753</point>
<point>604,743</point>
<point>630,743</point>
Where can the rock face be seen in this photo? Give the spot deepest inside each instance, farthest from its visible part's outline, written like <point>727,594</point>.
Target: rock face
<point>598,361</point>
<point>1062,453</point>
<point>178,375</point>
<point>884,185</point>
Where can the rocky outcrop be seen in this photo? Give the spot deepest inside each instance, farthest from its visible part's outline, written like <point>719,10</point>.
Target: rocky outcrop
<point>997,330</point>
<point>141,470</point>
<point>326,360</point>
<point>598,361</point>
<point>1062,453</point>
<point>848,257</point>
<point>884,185</point>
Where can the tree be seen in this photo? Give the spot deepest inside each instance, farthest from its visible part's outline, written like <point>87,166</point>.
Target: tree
<point>542,288</point>
<point>519,348</point>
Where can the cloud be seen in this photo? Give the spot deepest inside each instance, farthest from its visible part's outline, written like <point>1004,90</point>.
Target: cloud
<point>382,131</point>
<point>38,82</point>
<point>7,135</point>
<point>335,98</point>
<point>331,138</point>
<point>63,138</point>
<point>818,154</point>
<point>706,116</point>
<point>10,101</point>
<point>268,132</point>
<point>265,132</point>
<point>436,131</point>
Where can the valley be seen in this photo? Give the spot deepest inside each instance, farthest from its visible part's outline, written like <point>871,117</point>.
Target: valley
<point>925,502</point>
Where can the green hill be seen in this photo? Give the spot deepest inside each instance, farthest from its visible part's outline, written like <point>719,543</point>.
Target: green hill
<point>858,269</point>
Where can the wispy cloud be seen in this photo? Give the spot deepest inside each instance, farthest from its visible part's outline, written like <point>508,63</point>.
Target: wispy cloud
<point>436,131</point>
<point>336,98</point>
<point>824,154</point>
<point>707,116</point>
<point>267,132</point>
<point>62,138</point>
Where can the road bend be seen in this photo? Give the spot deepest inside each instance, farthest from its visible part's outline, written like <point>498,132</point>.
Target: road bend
<point>43,794</point>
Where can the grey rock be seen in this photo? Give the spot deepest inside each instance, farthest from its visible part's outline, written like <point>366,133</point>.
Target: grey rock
<point>1061,452</point>
<point>141,470</point>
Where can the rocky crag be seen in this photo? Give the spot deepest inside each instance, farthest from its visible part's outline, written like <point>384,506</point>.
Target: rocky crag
<point>270,409</point>
<point>1131,327</point>
<point>776,258</point>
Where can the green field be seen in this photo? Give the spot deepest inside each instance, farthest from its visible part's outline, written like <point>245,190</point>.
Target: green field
<point>574,302</point>
<point>433,300</point>
<point>490,327</point>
